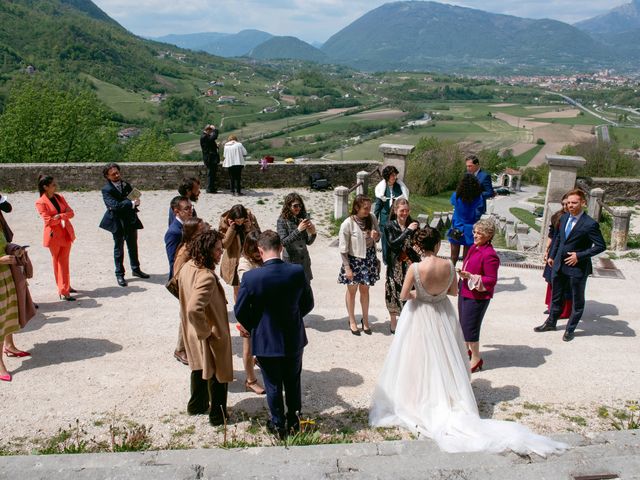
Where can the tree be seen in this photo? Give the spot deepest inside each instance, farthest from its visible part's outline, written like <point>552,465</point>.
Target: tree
<point>434,166</point>
<point>48,123</point>
<point>150,146</point>
<point>603,159</point>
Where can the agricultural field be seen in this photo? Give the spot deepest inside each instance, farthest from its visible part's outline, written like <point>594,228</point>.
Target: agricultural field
<point>626,137</point>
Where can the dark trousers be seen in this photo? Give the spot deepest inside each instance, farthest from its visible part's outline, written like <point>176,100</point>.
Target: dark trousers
<point>234,178</point>
<point>205,393</point>
<point>283,374</point>
<point>561,285</point>
<point>131,237</point>
<point>212,173</point>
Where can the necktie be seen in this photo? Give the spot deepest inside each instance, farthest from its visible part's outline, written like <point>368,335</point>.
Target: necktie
<point>569,227</point>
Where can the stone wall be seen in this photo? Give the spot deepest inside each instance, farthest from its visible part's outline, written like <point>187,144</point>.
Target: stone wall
<point>166,176</point>
<point>616,189</point>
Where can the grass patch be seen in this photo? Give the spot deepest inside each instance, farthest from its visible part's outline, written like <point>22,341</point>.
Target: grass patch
<point>533,406</point>
<point>176,138</point>
<point>526,217</point>
<point>524,158</point>
<point>578,420</point>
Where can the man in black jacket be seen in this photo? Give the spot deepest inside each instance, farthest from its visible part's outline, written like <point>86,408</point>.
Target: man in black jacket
<point>121,219</point>
<point>210,155</point>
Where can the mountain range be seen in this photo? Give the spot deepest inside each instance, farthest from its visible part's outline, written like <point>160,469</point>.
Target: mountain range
<point>426,35</point>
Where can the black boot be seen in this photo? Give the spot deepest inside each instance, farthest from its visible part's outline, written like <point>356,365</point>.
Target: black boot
<point>218,394</point>
<point>199,401</point>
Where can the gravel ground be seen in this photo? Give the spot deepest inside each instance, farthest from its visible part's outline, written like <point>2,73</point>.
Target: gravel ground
<point>103,365</point>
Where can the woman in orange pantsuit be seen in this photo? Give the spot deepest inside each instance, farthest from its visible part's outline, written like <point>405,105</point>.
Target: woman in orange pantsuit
<point>58,232</point>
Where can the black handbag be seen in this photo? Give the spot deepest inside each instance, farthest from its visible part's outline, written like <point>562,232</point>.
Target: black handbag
<point>456,234</point>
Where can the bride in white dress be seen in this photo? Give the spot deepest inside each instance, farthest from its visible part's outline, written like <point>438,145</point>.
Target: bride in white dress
<point>425,383</point>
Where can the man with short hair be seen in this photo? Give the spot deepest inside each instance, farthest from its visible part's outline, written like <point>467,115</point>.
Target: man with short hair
<point>121,219</point>
<point>210,155</point>
<point>190,188</point>
<point>473,167</point>
<point>182,211</point>
<point>578,239</point>
<point>272,302</point>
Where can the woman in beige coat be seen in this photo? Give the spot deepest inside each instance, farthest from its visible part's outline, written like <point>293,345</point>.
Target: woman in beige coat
<point>203,313</point>
<point>235,224</point>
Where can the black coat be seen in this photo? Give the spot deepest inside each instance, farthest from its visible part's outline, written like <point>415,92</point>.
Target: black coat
<point>121,215</point>
<point>395,242</point>
<point>209,146</point>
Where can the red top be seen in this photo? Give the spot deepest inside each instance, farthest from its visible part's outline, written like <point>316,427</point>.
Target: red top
<point>481,260</point>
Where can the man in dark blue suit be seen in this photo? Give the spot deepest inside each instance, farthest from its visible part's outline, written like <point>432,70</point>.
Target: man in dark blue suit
<point>190,188</point>
<point>473,167</point>
<point>121,219</point>
<point>272,302</point>
<point>578,239</point>
<point>182,208</point>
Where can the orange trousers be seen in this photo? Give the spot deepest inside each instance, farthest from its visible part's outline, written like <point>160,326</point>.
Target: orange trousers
<point>60,254</point>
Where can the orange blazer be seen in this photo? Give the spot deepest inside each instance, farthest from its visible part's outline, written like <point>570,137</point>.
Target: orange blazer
<point>54,231</point>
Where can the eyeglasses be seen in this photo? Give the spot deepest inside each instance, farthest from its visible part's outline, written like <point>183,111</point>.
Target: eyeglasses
<point>296,205</point>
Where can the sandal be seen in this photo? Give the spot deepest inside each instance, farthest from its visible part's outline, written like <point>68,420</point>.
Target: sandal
<point>254,387</point>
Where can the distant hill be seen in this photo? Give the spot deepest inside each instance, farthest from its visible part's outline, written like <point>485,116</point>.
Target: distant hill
<point>620,19</point>
<point>75,36</point>
<point>236,45</point>
<point>191,41</point>
<point>289,48</point>
<point>417,35</point>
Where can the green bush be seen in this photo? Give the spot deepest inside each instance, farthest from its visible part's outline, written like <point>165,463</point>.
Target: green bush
<point>150,146</point>
<point>603,160</point>
<point>434,166</point>
<point>536,175</point>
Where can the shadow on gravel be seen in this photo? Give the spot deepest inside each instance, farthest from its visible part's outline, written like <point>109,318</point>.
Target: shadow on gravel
<point>487,396</point>
<point>112,292</point>
<point>55,352</point>
<point>523,356</point>
<point>319,391</point>
<point>509,284</point>
<point>321,324</point>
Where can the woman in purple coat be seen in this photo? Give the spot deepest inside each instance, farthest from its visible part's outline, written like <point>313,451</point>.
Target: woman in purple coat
<point>478,279</point>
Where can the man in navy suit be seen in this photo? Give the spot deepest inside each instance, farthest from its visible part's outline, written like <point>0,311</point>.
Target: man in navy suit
<point>578,239</point>
<point>272,302</point>
<point>190,188</point>
<point>473,167</point>
<point>182,208</point>
<point>121,219</point>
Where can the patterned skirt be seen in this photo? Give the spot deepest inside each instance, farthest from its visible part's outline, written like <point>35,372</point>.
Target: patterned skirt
<point>365,270</point>
<point>8,303</point>
<point>393,286</point>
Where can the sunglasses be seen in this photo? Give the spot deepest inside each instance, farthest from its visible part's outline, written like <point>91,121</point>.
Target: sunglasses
<point>296,205</point>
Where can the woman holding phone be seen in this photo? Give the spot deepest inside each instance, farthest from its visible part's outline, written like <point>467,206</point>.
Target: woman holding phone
<point>297,231</point>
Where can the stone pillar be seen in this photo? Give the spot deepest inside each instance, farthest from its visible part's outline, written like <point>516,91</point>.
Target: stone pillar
<point>562,178</point>
<point>423,220</point>
<point>362,178</point>
<point>620,227</point>
<point>340,202</point>
<point>396,155</point>
<point>596,196</point>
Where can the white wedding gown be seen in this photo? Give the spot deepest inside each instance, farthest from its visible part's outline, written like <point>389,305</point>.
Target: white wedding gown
<point>425,384</point>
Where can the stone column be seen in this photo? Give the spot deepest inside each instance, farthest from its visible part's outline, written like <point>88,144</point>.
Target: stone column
<point>562,178</point>
<point>396,155</point>
<point>340,202</point>
<point>596,196</point>
<point>620,228</point>
<point>362,178</point>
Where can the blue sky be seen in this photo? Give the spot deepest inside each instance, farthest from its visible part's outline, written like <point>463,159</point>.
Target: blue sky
<point>310,20</point>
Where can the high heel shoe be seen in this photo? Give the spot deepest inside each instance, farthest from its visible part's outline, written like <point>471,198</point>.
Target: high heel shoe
<point>355,332</point>
<point>73,290</point>
<point>6,378</point>
<point>254,387</point>
<point>68,298</point>
<point>477,367</point>
<point>18,353</point>
<point>365,330</point>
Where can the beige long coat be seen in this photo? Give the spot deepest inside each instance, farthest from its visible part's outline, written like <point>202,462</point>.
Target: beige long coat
<point>232,246</point>
<point>203,313</point>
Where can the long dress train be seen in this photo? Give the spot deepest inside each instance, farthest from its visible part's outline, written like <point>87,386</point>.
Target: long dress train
<point>425,384</point>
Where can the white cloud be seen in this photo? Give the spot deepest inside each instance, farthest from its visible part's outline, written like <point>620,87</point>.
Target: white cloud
<point>310,20</point>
